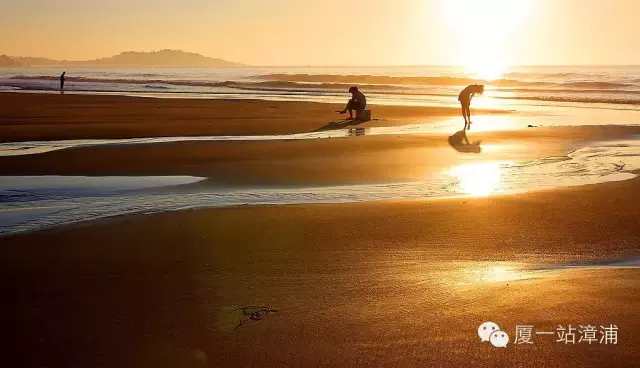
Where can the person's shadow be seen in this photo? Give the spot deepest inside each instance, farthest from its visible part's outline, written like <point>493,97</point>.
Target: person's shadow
<point>335,125</point>
<point>460,143</point>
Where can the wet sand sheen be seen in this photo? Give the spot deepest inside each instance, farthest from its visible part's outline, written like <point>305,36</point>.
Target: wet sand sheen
<point>356,160</point>
<point>380,283</point>
<point>29,199</point>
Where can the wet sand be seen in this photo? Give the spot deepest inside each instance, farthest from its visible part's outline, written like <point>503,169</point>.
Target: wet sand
<point>27,117</point>
<point>349,160</point>
<point>398,284</point>
<point>375,284</point>
<point>355,160</point>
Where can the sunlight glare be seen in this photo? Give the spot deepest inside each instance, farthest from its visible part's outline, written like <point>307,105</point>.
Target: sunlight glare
<point>499,274</point>
<point>473,273</point>
<point>482,28</point>
<point>478,180</point>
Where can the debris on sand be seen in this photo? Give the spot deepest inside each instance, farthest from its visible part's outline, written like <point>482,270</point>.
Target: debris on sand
<point>253,314</point>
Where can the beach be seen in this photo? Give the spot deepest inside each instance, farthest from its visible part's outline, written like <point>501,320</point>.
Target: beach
<point>359,277</point>
<point>276,183</point>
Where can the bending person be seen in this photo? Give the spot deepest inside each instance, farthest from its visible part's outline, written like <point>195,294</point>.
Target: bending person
<point>358,102</point>
<point>465,100</point>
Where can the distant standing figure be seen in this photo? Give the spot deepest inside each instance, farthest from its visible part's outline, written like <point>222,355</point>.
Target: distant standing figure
<point>62,82</point>
<point>357,102</point>
<point>465,100</point>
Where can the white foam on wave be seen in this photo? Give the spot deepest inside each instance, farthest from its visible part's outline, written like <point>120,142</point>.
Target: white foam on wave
<point>32,203</point>
<point>70,185</point>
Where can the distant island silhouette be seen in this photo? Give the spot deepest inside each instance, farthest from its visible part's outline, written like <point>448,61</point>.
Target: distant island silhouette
<point>6,61</point>
<point>162,58</point>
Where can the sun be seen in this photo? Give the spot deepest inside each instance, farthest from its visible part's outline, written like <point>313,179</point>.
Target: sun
<point>481,29</point>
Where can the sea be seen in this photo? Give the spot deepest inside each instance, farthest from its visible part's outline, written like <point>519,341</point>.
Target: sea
<point>614,87</point>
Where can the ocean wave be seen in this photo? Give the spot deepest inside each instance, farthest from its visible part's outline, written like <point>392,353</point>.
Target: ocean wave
<point>387,80</point>
<point>603,85</point>
<point>121,80</point>
<point>160,83</point>
<point>515,75</point>
<point>435,81</point>
<point>577,99</point>
<point>243,85</point>
<point>579,92</point>
<point>535,75</point>
<point>150,86</point>
<point>339,82</point>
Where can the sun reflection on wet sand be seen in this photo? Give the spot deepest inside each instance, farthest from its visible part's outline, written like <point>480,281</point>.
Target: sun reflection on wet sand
<point>499,274</point>
<point>469,273</point>
<point>478,180</point>
<point>483,123</point>
<point>494,272</point>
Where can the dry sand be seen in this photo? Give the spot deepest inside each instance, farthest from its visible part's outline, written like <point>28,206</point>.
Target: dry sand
<point>395,284</point>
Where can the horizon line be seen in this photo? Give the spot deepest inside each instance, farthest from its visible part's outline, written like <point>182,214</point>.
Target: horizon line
<point>249,65</point>
<point>244,65</point>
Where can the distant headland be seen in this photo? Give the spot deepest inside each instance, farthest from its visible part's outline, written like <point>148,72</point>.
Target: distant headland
<point>162,58</point>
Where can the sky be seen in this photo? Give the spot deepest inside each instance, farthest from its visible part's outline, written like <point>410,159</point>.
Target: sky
<point>331,32</point>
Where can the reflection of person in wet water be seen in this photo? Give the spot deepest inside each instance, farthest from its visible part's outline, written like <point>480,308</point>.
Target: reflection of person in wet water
<point>465,98</point>
<point>458,138</point>
<point>460,143</point>
<point>357,102</point>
